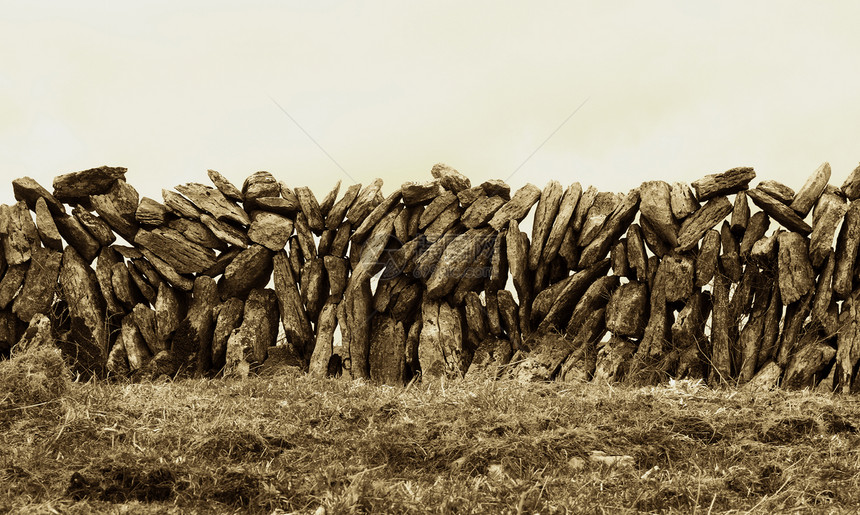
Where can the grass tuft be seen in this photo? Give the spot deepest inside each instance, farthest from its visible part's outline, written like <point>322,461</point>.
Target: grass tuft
<point>290,443</point>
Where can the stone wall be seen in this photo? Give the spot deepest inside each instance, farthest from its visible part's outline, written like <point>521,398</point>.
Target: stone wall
<point>665,281</point>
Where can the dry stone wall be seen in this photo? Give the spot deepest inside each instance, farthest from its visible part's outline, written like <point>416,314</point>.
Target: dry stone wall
<point>722,282</point>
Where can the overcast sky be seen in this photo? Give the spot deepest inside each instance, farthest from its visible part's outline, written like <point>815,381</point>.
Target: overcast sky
<point>665,90</point>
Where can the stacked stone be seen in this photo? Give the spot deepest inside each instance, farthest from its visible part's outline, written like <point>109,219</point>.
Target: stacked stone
<point>438,278</point>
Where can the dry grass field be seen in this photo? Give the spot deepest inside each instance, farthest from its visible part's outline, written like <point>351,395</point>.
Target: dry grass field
<point>288,443</point>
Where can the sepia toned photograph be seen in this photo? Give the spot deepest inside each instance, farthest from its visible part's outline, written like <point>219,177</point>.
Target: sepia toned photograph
<point>282,257</point>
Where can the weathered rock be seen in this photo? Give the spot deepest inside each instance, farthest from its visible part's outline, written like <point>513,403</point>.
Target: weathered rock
<point>469,196</point>
<point>355,318</point>
<point>766,379</point>
<point>137,352</point>
<point>655,206</point>
<point>577,221</point>
<point>28,190</point>
<point>225,232</point>
<point>594,298</point>
<point>387,351</point>
<point>328,201</point>
<point>603,205</point>
<point>147,289</point>
<point>721,359</point>
<point>517,207</point>
<point>770,332</point>
<point>117,207</point>
<point>251,269</point>
<point>777,190</point>
<point>562,221</point>
<point>420,192</point>
<point>180,205</point>
<point>447,219</point>
<point>763,251</point>
<point>449,178</point>
<point>812,189</point>
<point>688,336</point>
<point>495,255</point>
<point>517,250</point>
<point>372,251</point>
<point>126,292</point>
<point>281,206</point>
<point>325,327</point>
<point>796,277</point>
<point>547,354</point>
<point>846,250</point>
<point>314,287</point>
<point>614,227</point>
<point>21,234</point>
<point>108,257</point>
<point>657,245</point>
<point>730,257</point>
<point>311,209</point>
<point>197,232</point>
<point>151,213</point>
<point>706,260</point>
<point>440,348</point>
<point>270,230</point>
<point>146,321</point>
<point>117,361</point>
<point>682,201</point>
<point>192,341</point>
<point>567,298</point>
<point>490,359</point>
<point>37,335</point>
<point>829,211</point>
<point>482,211</point>
<point>260,184</point>
<point>46,227</point>
<point>176,250</point>
<point>75,235</point>
<point>806,362</point>
<point>725,183</point>
<point>247,346</point>
<point>294,318</point>
<point>379,212</point>
<point>212,201</point>
<point>795,318</point>
<point>740,214</point>
<point>70,187</point>
<point>779,212</point>
<point>848,342</point>
<point>750,339</point>
<point>637,259</point>
<point>97,227</point>
<point>618,257</point>
<point>169,312</point>
<point>508,312</point>
<point>228,317</point>
<point>11,283</point>
<point>227,188</point>
<point>545,214</point>
<point>364,203</point>
<point>336,214</point>
<point>613,359</point>
<point>498,187</point>
<point>297,260</point>
<point>439,205</point>
<point>88,343</point>
<point>703,220</point>
<point>40,283</point>
<point>169,273</point>
<point>755,230</point>
<point>851,186</point>
<point>824,288</point>
<point>455,261</point>
<point>579,366</point>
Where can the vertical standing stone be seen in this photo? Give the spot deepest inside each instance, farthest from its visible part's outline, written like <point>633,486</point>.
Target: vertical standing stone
<point>89,342</point>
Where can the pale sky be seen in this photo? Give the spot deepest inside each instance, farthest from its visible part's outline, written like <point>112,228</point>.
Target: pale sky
<point>671,90</point>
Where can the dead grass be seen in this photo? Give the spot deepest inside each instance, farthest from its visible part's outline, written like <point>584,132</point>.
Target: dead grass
<point>291,443</point>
